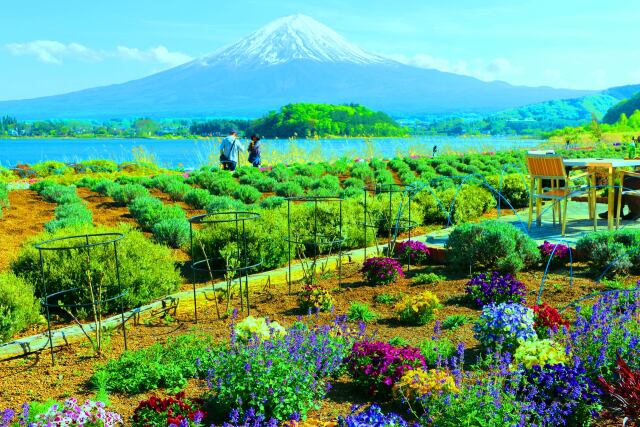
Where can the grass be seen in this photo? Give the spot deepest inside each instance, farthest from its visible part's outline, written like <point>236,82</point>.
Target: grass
<point>428,279</point>
<point>387,298</point>
<point>359,311</point>
<point>455,321</point>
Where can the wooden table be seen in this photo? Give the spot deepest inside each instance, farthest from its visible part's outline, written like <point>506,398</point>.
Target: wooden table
<point>615,164</point>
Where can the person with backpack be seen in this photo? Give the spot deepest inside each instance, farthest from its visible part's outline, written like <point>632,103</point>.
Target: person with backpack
<point>255,148</point>
<point>230,147</point>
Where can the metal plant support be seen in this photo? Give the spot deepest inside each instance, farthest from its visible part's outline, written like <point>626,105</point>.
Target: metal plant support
<point>85,244</point>
<point>315,240</point>
<point>394,227</point>
<point>238,269</point>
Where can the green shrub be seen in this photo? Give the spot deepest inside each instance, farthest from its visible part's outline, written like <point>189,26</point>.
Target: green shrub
<point>468,203</point>
<point>147,270</point>
<point>224,203</point>
<point>168,365</point>
<point>446,170</point>
<point>264,239</point>
<point>177,190</point>
<point>491,245</point>
<point>353,182</point>
<point>128,179</point>
<point>19,308</point>
<point>223,186</point>
<point>4,196</point>
<point>56,193</point>
<point>147,211</point>
<point>197,198</point>
<point>619,250</point>
<point>513,188</point>
<point>272,202</point>
<point>247,194</point>
<point>434,349</point>
<point>280,173</point>
<point>351,193</point>
<point>361,171</point>
<point>383,176</point>
<point>106,187</point>
<point>361,312</point>
<point>52,167</point>
<point>386,298</point>
<point>70,214</point>
<point>306,182</point>
<point>265,184</point>
<point>455,321</point>
<point>173,232</point>
<point>288,189</point>
<point>99,166</point>
<point>427,279</point>
<point>127,193</point>
<point>328,182</point>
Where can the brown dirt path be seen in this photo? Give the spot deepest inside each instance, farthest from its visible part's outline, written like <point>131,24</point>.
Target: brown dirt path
<point>104,210</point>
<point>24,218</point>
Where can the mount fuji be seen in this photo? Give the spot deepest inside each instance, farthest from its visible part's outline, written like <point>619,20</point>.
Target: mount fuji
<point>292,59</point>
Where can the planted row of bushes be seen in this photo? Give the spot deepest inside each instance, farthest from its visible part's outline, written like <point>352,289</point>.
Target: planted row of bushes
<point>168,223</point>
<point>71,209</point>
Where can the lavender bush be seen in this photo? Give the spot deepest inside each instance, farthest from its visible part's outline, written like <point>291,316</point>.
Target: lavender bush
<point>281,377</point>
<point>609,327</point>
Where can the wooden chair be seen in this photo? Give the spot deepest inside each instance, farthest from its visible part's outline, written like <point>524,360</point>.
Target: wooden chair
<point>625,192</point>
<point>593,168</point>
<point>562,188</point>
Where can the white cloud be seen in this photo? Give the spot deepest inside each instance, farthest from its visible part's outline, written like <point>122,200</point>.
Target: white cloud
<point>159,54</point>
<point>488,70</point>
<point>54,52</point>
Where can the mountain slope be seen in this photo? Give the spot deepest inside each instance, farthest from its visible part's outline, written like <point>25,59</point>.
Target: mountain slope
<point>293,59</point>
<point>626,106</point>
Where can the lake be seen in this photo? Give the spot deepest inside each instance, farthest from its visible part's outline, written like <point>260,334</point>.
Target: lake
<point>191,153</point>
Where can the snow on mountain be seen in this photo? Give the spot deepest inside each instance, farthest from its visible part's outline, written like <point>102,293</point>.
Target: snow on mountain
<point>294,37</point>
<point>292,59</point>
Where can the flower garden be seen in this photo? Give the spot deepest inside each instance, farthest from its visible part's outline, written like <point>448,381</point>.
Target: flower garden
<point>493,329</point>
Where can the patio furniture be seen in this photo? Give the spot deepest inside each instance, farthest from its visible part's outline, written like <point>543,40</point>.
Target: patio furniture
<point>616,164</point>
<point>625,192</point>
<point>562,187</point>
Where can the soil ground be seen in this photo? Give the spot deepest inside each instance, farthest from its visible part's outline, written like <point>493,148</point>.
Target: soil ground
<point>24,218</point>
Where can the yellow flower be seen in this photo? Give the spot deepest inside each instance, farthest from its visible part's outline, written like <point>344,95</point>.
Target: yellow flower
<point>258,326</point>
<point>418,382</point>
<point>418,309</point>
<point>540,352</point>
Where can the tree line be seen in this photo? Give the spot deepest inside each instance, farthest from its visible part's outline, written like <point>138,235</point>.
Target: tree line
<point>293,120</point>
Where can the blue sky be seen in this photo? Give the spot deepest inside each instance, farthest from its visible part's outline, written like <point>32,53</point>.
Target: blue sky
<point>51,47</point>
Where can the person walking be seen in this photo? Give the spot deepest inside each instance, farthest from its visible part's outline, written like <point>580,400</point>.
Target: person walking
<point>230,147</point>
<point>435,150</point>
<point>255,149</point>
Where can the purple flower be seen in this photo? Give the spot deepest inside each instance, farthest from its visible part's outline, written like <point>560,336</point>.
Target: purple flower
<point>381,271</point>
<point>495,289</point>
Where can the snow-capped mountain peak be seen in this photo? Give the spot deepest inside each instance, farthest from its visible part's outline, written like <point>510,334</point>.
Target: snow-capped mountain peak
<point>294,37</point>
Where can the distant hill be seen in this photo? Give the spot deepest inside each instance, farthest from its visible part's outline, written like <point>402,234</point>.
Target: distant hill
<point>626,106</point>
<point>562,112</point>
<point>622,92</point>
<point>308,120</point>
<point>290,60</point>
